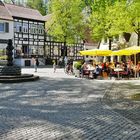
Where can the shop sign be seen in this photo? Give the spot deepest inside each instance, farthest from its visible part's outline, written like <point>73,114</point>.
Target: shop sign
<point>3,41</point>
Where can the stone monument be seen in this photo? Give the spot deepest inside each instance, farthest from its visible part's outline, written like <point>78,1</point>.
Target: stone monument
<point>10,69</point>
<point>12,73</point>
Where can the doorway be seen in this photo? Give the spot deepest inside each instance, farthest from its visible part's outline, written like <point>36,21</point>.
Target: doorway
<point>25,49</point>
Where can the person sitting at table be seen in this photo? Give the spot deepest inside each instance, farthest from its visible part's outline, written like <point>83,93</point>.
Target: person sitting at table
<point>96,71</point>
<point>130,67</point>
<point>111,67</point>
<point>138,70</point>
<point>125,67</point>
<point>83,67</point>
<point>105,70</point>
<point>91,69</point>
<point>125,73</point>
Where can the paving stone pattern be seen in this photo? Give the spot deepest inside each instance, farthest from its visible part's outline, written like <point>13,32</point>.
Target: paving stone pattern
<point>61,107</point>
<point>118,98</point>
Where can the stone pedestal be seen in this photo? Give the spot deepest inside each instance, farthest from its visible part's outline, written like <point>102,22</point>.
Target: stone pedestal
<point>10,70</point>
<point>12,73</point>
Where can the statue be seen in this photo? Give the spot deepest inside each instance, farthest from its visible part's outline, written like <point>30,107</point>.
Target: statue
<point>9,53</point>
<point>12,73</point>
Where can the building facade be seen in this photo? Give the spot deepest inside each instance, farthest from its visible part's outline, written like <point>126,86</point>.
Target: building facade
<point>29,34</point>
<point>20,2</point>
<point>120,42</point>
<point>55,50</point>
<point>26,27</point>
<point>6,30</point>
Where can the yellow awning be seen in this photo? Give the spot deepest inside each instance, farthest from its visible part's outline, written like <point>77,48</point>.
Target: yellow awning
<point>127,51</point>
<point>121,52</point>
<point>96,52</point>
<point>132,50</point>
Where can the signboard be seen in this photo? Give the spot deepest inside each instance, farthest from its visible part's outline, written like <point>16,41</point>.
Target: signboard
<point>3,41</point>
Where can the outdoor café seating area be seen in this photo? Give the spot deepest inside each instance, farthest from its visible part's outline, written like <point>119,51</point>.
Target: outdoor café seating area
<point>127,68</point>
<point>109,70</point>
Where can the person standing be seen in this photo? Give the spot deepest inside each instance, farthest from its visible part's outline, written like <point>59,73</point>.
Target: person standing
<point>36,64</point>
<point>60,62</point>
<point>65,61</point>
<point>54,66</point>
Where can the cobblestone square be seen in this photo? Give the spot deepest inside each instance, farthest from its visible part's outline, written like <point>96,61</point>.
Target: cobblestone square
<point>62,107</point>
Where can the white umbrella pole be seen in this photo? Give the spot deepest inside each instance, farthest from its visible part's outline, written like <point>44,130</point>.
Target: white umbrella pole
<point>118,58</point>
<point>135,64</point>
<point>96,58</point>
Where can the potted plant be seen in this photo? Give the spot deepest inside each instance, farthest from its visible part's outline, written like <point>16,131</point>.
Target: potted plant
<point>77,67</point>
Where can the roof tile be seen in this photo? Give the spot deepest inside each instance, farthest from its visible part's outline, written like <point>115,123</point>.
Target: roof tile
<point>4,14</point>
<point>23,12</point>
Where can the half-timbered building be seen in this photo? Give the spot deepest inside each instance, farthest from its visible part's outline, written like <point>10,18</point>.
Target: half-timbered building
<point>29,34</point>
<point>30,39</point>
<point>54,50</point>
<point>6,29</point>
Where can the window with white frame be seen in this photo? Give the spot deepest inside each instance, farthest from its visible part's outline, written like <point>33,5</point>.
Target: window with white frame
<point>33,29</point>
<point>4,27</point>
<point>18,26</point>
<point>1,27</point>
<point>25,27</point>
<point>40,29</point>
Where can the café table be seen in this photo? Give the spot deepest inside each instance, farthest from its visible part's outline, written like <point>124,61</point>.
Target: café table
<point>118,70</point>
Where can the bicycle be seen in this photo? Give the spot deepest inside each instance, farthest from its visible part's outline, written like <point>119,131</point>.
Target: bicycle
<point>68,69</point>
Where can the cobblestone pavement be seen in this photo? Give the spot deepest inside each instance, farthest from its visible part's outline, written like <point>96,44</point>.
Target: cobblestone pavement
<point>61,107</point>
<point>118,98</point>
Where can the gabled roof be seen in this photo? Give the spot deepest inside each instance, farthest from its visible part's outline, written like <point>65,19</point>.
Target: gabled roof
<point>23,12</point>
<point>4,14</point>
<point>47,17</point>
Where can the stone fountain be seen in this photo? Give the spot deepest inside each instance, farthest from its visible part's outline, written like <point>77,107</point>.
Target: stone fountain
<point>12,73</point>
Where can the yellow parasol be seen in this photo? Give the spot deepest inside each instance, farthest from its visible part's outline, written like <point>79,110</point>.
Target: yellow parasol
<point>132,50</point>
<point>128,51</point>
<point>96,52</point>
<point>120,52</point>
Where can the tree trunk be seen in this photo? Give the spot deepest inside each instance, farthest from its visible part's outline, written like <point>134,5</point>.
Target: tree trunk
<point>64,51</point>
<point>44,47</point>
<point>65,48</point>
<point>110,44</point>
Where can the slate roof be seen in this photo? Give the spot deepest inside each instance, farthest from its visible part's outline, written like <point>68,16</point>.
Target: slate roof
<point>23,12</point>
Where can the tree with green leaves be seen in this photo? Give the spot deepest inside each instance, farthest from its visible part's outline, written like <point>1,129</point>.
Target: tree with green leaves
<point>37,4</point>
<point>99,22</point>
<point>125,18</point>
<point>66,23</point>
<point>134,10</point>
<point>8,1</point>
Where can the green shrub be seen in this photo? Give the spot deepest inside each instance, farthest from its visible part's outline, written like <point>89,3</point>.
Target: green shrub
<point>78,65</point>
<point>3,57</point>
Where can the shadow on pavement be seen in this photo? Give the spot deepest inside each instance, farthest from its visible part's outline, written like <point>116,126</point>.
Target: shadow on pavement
<point>69,108</point>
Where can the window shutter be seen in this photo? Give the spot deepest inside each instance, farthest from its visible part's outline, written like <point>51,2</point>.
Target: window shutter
<point>7,27</point>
